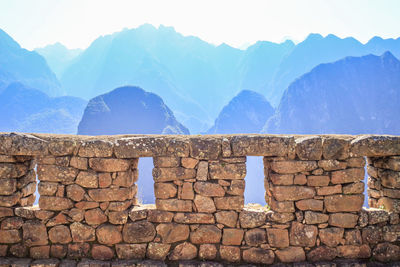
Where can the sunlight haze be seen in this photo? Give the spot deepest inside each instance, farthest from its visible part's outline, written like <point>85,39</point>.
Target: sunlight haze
<point>77,23</point>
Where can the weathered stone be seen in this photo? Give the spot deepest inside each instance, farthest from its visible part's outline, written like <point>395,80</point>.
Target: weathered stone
<point>372,235</point>
<point>9,201</point>
<point>376,216</point>
<point>236,187</point>
<point>53,173</point>
<point>75,192</point>
<point>281,179</point>
<point>104,179</point>
<point>347,176</point>
<point>58,251</point>
<point>310,204</point>
<point>79,163</point>
<point>329,190</point>
<point>96,149</point>
<point>280,217</point>
<point>303,235</point>
<point>164,190</point>
<point>344,220</point>
<point>209,189</point>
<point>60,234</point>
<point>174,205</point>
<point>206,234</point>
<point>19,251</point>
<point>202,171</point>
<point>95,217</point>
<point>22,144</point>
<point>45,263</point>
<point>228,218</point>
<point>171,232</point>
<point>157,251</point>
<point>331,237</point>
<point>194,218</point>
<point>28,189</point>
<point>389,204</point>
<point>338,203</point>
<point>375,146</point>
<point>34,233</point>
<point>82,233</point>
<point>126,179</point>
<point>300,179</point>
<point>87,179</point>
<point>309,147</point>
<point>118,217</point>
<point>322,253</point>
<point>100,252</point>
<point>335,148</point>
<point>41,252</point>
<point>229,203</point>
<point>252,218</point>
<point>353,237</point>
<point>12,223</point>
<point>184,251</point>
<point>166,162</point>
<point>205,148</point>
<point>278,237</point>
<point>131,251</point>
<point>292,193</point>
<point>318,180</point>
<point>108,234</point>
<point>55,203</point>
<point>392,193</point>
<point>8,186</point>
<point>159,216</point>
<point>60,218</point>
<point>254,237</point>
<point>354,252</point>
<point>189,163</point>
<point>186,191</point>
<point>332,164</point>
<point>138,232</point>
<point>353,188</point>
<point>252,145</point>
<point>280,206</point>
<point>112,194</point>
<point>387,252</point>
<point>207,252</point>
<point>9,236</point>
<point>291,254</point>
<point>172,174</point>
<point>229,253</point>
<point>293,166</point>
<point>47,189</point>
<point>25,212</point>
<point>85,205</point>
<point>315,217</point>
<point>259,256</point>
<point>5,212</point>
<point>221,170</point>
<point>109,164</point>
<point>204,204</point>
<point>233,236</point>
<point>78,250</point>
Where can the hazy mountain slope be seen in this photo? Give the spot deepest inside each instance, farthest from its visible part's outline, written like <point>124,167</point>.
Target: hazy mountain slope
<point>246,113</point>
<point>354,95</point>
<point>129,110</point>
<point>20,65</point>
<point>58,57</point>
<point>23,109</point>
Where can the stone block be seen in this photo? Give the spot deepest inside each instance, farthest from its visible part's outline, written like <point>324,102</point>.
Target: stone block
<point>100,252</point>
<point>159,216</point>
<point>232,236</point>
<point>258,256</point>
<point>221,170</point>
<point>227,218</point>
<point>347,176</point>
<point>347,203</point>
<point>329,190</point>
<point>194,218</point>
<point>344,220</point>
<point>318,180</point>
<point>165,190</point>
<point>96,149</point>
<point>229,253</point>
<point>229,203</point>
<point>336,147</point>
<point>184,251</point>
<point>310,204</point>
<point>205,148</point>
<point>309,147</point>
<point>60,234</point>
<point>278,237</point>
<point>112,194</point>
<point>109,164</point>
<point>332,236</point>
<point>207,252</point>
<point>332,164</point>
<point>209,189</point>
<point>303,235</point>
<point>255,237</point>
<point>53,173</point>
<point>315,217</point>
<point>291,254</point>
<point>9,236</point>
<point>172,232</point>
<point>206,234</point>
<point>82,233</point>
<point>55,203</point>
<point>292,193</point>
<point>138,232</point>
<point>173,174</point>
<point>157,251</point>
<point>261,145</point>
<point>174,205</point>
<point>130,251</point>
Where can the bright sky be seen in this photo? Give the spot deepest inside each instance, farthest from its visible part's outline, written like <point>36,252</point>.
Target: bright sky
<point>76,23</point>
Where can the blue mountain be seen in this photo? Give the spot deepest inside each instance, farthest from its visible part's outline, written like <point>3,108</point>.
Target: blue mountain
<point>23,109</point>
<point>355,95</point>
<point>245,113</point>
<point>58,57</point>
<point>20,65</point>
<point>129,110</point>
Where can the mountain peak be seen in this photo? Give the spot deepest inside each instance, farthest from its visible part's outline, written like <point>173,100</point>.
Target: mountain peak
<point>388,56</point>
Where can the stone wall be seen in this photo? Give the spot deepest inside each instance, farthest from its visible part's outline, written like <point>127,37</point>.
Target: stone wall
<point>88,206</point>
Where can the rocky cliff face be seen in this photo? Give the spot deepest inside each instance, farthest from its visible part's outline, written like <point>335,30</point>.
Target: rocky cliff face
<point>20,65</point>
<point>129,110</point>
<point>23,109</point>
<point>246,113</point>
<point>354,95</point>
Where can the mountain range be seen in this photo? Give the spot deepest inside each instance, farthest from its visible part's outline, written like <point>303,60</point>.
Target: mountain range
<point>355,95</point>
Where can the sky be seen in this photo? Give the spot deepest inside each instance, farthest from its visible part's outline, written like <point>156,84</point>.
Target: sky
<point>76,23</point>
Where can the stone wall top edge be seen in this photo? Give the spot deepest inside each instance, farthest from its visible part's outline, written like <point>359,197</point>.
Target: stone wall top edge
<point>141,145</point>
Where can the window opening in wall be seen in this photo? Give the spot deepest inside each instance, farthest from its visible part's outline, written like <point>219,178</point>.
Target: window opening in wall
<point>145,181</point>
<point>254,190</point>
<point>37,195</point>
<point>365,183</point>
